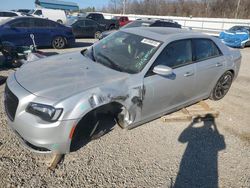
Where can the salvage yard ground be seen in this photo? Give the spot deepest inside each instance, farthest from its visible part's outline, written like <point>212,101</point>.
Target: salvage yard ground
<point>157,154</point>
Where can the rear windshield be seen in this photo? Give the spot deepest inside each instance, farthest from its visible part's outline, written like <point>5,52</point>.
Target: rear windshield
<point>137,24</point>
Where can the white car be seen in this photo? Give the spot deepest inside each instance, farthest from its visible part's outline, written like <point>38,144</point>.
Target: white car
<point>133,76</point>
<point>8,14</point>
<point>51,14</point>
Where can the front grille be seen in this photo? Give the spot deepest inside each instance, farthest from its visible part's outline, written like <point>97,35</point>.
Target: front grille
<point>10,103</point>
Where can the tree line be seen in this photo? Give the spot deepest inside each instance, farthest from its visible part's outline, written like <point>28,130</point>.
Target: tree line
<point>195,8</point>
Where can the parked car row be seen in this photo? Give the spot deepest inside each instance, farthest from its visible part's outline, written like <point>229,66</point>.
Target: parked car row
<point>145,23</point>
<point>17,29</point>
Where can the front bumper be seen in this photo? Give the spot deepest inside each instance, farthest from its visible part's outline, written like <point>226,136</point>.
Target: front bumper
<point>235,44</point>
<point>38,135</point>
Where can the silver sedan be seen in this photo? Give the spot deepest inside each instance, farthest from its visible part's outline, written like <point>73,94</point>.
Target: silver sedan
<point>59,103</point>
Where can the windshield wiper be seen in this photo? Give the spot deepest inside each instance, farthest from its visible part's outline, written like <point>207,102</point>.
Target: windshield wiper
<point>113,65</point>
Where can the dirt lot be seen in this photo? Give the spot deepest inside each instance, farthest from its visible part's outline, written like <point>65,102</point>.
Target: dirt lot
<point>156,154</point>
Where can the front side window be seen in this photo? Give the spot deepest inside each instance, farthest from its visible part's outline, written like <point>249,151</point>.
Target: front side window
<point>9,14</point>
<point>205,49</point>
<point>80,23</point>
<point>176,54</point>
<point>125,52</point>
<point>38,13</point>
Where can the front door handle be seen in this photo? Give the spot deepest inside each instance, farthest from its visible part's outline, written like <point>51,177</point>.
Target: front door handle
<point>218,64</point>
<point>187,74</point>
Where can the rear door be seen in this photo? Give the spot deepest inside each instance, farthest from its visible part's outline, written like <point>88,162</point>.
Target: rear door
<point>90,28</point>
<point>16,32</point>
<point>209,65</point>
<point>163,93</point>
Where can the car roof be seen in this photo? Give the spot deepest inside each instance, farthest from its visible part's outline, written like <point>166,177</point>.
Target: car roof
<point>163,33</point>
<point>25,17</point>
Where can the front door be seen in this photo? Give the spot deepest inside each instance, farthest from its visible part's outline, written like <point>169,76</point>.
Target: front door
<point>163,93</point>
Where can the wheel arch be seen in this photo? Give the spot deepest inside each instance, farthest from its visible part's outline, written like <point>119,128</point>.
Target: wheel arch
<point>112,108</point>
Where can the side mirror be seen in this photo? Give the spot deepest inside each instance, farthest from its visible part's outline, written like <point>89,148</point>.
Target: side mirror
<point>163,70</point>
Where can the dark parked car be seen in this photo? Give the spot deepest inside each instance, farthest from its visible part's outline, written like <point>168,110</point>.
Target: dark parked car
<point>145,23</point>
<point>107,24</point>
<point>47,33</point>
<point>87,28</point>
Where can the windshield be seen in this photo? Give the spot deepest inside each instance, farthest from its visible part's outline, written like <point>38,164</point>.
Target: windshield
<point>31,11</point>
<point>124,52</point>
<point>137,24</point>
<point>239,28</point>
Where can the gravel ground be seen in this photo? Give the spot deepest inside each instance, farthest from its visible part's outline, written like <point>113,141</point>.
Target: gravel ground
<point>156,154</point>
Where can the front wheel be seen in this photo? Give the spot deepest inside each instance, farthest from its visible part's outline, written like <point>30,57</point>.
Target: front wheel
<point>59,42</point>
<point>222,86</point>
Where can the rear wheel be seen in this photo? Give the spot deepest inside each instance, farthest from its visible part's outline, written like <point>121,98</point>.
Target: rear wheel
<point>222,86</point>
<point>59,42</point>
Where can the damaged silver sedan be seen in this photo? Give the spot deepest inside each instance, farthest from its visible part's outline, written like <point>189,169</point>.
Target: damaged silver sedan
<point>132,76</point>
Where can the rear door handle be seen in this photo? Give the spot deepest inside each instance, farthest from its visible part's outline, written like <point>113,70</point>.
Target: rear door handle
<point>218,64</point>
<point>187,74</point>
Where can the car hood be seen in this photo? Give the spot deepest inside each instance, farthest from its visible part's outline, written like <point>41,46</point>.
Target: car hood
<point>62,76</point>
<point>106,33</point>
<point>234,36</point>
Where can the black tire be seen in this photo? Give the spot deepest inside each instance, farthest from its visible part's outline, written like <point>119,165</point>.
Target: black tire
<point>17,63</point>
<point>243,45</point>
<point>92,126</point>
<point>59,21</point>
<point>112,27</point>
<point>222,86</point>
<point>59,42</point>
<point>97,34</point>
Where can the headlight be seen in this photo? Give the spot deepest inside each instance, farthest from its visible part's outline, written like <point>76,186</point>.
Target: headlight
<point>45,112</point>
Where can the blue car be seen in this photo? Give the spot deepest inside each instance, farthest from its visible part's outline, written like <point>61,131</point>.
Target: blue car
<point>237,36</point>
<point>46,33</point>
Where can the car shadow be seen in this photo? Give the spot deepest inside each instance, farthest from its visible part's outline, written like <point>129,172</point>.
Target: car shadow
<point>199,164</point>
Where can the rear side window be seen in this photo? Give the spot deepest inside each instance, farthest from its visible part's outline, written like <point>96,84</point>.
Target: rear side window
<point>43,23</point>
<point>9,14</point>
<point>89,23</point>
<point>21,23</point>
<point>176,54</point>
<point>205,49</point>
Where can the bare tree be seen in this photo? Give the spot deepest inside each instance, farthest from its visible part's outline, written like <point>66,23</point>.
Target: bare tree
<point>196,8</point>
